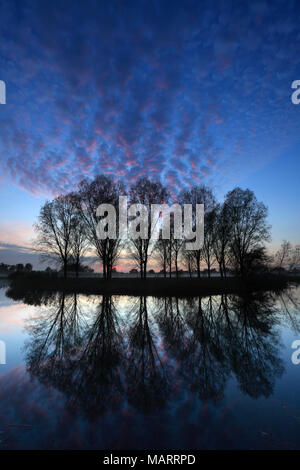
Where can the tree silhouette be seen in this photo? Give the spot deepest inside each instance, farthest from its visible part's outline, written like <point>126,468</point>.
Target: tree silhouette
<point>146,192</point>
<point>54,230</point>
<point>101,190</point>
<point>198,195</point>
<point>249,228</point>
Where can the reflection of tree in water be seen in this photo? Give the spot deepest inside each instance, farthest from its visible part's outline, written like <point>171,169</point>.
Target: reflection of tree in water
<point>147,383</point>
<point>98,365</point>
<point>55,334</point>
<point>81,362</point>
<point>207,364</point>
<point>96,374</point>
<point>253,343</point>
<point>289,304</point>
<point>212,336</point>
<point>191,335</point>
<point>31,297</point>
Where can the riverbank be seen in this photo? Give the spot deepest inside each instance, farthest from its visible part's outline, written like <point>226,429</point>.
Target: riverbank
<point>154,287</point>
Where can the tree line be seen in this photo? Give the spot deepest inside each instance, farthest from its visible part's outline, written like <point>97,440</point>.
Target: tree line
<point>19,267</point>
<point>235,231</point>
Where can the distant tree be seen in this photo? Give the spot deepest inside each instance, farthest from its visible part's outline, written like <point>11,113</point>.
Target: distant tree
<point>283,254</point>
<point>133,271</point>
<point>294,258</point>
<point>28,267</point>
<point>249,229</point>
<point>20,267</point>
<point>87,269</point>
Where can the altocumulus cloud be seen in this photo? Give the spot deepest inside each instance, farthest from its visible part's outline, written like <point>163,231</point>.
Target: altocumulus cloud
<point>174,90</point>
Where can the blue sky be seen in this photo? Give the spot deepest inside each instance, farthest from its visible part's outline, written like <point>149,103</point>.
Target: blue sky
<point>185,91</point>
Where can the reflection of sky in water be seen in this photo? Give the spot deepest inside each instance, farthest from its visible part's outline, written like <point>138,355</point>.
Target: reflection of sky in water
<point>128,372</point>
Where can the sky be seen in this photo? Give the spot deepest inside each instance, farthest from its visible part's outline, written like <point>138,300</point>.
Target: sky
<point>188,92</point>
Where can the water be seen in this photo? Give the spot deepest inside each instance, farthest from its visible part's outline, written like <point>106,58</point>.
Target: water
<point>93,372</point>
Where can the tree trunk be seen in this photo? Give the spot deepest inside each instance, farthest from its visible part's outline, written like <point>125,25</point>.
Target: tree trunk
<point>208,268</point>
<point>198,265</point>
<point>176,265</point>
<point>190,270</point>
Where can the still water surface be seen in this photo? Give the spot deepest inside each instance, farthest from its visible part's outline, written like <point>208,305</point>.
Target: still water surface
<point>93,372</point>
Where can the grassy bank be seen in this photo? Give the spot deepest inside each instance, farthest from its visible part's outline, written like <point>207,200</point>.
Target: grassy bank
<point>155,287</point>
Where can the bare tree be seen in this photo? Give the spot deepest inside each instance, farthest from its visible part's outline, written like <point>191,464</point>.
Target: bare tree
<point>198,195</point>
<point>294,259</point>
<point>146,192</point>
<point>102,190</point>
<point>54,230</point>
<point>176,247</point>
<point>188,260</point>
<point>248,220</point>
<point>79,239</point>
<point>208,254</point>
<point>222,238</point>
<point>168,251</point>
<point>161,254</point>
<point>283,254</point>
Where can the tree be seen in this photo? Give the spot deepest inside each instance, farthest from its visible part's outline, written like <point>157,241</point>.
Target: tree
<point>294,258</point>
<point>161,252</point>
<point>283,254</point>
<point>198,195</point>
<point>28,267</point>
<point>3,267</point>
<point>102,190</point>
<point>209,239</point>
<point>79,240</point>
<point>175,246</point>
<point>167,251</point>
<point>221,241</point>
<point>54,230</point>
<point>133,271</point>
<point>249,229</point>
<point>146,192</point>
<point>189,261</point>
<point>256,261</point>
